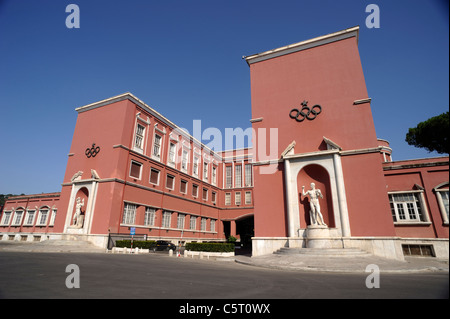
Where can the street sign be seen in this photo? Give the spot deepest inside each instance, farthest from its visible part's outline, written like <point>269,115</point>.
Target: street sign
<point>132,231</point>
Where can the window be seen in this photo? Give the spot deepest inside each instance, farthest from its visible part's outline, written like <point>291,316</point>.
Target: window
<point>227,198</point>
<point>183,187</point>
<point>228,177</point>
<point>444,195</point>
<point>129,214</point>
<point>238,176</point>
<point>139,138</point>
<point>42,219</point>
<point>172,152</point>
<point>405,207</point>
<point>195,167</point>
<point>149,218</point>
<point>166,219</point>
<point>154,176</point>
<point>194,190</point>
<point>193,222</point>
<point>203,224</point>
<point>205,171</point>
<point>418,250</point>
<point>135,170</point>
<point>184,161</point>
<point>6,218</point>
<point>29,218</point>
<point>248,198</point>
<point>52,218</point>
<point>17,218</point>
<point>213,225</point>
<point>213,197</point>
<point>157,146</point>
<point>180,221</point>
<point>170,181</point>
<point>205,194</point>
<point>443,201</point>
<point>248,175</point>
<point>214,175</point>
<point>237,198</point>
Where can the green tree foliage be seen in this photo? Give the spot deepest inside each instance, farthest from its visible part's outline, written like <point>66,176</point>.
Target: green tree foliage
<point>431,134</point>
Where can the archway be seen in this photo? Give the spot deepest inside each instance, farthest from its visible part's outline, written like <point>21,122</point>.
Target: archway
<point>82,196</point>
<point>318,175</point>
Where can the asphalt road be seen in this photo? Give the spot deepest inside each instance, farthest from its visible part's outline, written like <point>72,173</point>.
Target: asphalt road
<point>158,276</point>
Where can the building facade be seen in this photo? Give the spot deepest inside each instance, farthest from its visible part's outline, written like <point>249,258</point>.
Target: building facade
<point>131,167</point>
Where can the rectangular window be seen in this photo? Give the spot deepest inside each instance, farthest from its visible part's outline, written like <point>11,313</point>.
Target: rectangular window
<point>149,218</point>
<point>6,218</point>
<point>405,207</point>
<point>193,222</point>
<point>445,201</point>
<point>183,186</point>
<point>205,171</point>
<point>139,138</point>
<point>194,190</point>
<point>17,218</point>
<point>227,199</point>
<point>154,176</point>
<point>195,167</point>
<point>157,146</point>
<point>238,176</point>
<point>170,181</point>
<point>213,225</point>
<point>203,224</point>
<point>228,176</point>
<point>29,218</point>
<point>129,214</point>
<point>53,217</point>
<point>248,175</point>
<point>184,161</point>
<point>180,221</point>
<point>166,219</point>
<point>237,198</point>
<point>248,198</point>
<point>42,219</point>
<point>205,194</point>
<point>172,152</point>
<point>135,170</point>
<point>213,197</point>
<point>214,175</point>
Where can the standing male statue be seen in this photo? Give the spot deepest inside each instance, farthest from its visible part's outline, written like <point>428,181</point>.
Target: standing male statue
<point>315,215</point>
<point>78,218</point>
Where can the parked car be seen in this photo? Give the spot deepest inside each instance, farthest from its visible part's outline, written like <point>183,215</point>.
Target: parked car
<point>164,245</point>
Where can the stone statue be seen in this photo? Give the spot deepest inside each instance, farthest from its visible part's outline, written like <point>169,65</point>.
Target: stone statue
<point>78,218</point>
<point>315,215</point>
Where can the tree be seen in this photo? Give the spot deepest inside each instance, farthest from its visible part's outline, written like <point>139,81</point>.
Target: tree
<point>431,134</point>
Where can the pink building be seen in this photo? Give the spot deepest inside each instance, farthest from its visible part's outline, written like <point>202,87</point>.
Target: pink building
<point>131,167</point>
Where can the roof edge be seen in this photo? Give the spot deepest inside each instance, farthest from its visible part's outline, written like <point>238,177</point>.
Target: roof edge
<point>303,45</point>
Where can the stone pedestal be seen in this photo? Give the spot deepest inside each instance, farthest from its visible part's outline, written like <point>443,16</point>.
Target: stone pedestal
<point>318,236</point>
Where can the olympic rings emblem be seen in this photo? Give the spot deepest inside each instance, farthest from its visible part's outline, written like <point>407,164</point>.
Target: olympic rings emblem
<point>311,113</point>
<point>93,151</point>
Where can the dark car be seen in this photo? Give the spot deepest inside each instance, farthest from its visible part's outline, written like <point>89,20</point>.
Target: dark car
<point>164,245</point>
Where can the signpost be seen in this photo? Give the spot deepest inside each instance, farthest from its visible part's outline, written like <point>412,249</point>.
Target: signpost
<point>132,233</point>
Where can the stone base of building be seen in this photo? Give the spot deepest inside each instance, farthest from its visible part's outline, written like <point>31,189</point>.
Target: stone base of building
<point>386,247</point>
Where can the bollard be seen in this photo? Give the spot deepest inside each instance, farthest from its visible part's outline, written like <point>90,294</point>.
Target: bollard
<point>170,252</point>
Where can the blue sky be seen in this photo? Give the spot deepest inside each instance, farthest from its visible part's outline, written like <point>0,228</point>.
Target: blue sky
<point>184,58</point>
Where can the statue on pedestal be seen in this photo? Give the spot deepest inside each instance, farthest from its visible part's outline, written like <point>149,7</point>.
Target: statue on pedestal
<point>78,218</point>
<point>315,215</point>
